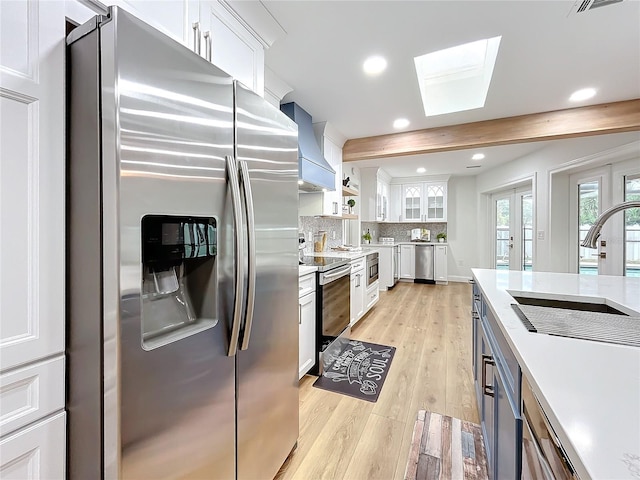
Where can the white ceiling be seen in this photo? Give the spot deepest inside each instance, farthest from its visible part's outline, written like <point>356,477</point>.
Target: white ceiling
<point>544,56</point>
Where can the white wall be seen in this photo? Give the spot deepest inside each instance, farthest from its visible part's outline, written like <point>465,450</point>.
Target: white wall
<point>547,170</point>
<point>462,234</point>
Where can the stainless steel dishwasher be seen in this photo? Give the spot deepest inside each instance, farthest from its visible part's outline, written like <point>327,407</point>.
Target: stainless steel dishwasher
<point>424,263</point>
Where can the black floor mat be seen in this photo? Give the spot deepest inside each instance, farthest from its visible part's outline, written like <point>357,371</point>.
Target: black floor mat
<point>359,370</point>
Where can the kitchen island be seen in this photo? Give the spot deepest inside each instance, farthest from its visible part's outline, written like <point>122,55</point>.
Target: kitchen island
<point>590,391</point>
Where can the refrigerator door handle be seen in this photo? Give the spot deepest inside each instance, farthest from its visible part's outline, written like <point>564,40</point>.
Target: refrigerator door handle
<point>251,247</point>
<point>232,175</point>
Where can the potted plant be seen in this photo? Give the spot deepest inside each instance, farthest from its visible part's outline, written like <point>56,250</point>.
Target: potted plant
<point>441,237</point>
<point>366,237</point>
<point>351,203</point>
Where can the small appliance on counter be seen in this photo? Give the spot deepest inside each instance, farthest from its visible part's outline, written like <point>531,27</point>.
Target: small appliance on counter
<point>320,241</point>
<point>420,235</point>
<point>386,240</point>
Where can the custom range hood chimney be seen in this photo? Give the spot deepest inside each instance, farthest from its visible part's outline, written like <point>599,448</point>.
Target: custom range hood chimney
<point>315,172</point>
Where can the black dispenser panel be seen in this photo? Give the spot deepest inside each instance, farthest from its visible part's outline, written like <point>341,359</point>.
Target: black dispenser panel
<point>168,240</point>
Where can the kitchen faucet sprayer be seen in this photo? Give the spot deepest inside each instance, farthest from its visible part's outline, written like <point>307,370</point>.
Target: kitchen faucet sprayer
<point>594,232</point>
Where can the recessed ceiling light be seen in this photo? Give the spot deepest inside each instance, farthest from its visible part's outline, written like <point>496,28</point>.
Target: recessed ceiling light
<point>374,65</point>
<point>300,182</point>
<point>584,94</point>
<point>477,156</point>
<point>421,170</point>
<point>401,123</point>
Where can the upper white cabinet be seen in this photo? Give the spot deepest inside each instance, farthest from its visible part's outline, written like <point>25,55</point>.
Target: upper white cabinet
<point>234,47</point>
<point>332,201</point>
<point>424,202</point>
<point>375,195</point>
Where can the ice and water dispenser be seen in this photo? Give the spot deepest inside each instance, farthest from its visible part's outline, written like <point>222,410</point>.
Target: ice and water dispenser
<point>179,295</point>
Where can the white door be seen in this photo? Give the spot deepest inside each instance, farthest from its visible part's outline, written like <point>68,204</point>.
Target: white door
<point>632,227</point>
<point>513,229</point>
<point>590,195</point>
<point>32,232</point>
<point>623,243</point>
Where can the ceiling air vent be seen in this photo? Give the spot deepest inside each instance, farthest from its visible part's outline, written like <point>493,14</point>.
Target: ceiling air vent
<point>474,166</point>
<point>582,6</point>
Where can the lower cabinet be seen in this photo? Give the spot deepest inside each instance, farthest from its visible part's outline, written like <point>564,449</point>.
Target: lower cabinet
<point>35,452</point>
<point>307,321</point>
<point>408,262</point>
<point>357,293</point>
<point>386,266</point>
<point>363,296</point>
<point>497,384</point>
<point>372,295</point>
<point>440,263</point>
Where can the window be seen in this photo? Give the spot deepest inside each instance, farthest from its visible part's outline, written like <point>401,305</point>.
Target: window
<point>588,210</point>
<point>632,227</point>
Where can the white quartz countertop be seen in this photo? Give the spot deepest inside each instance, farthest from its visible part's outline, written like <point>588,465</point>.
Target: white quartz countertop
<point>342,254</point>
<point>589,390</point>
<point>406,243</point>
<point>305,269</point>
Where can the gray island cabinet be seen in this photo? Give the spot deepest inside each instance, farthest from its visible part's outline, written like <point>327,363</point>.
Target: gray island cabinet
<point>572,403</point>
<point>497,381</point>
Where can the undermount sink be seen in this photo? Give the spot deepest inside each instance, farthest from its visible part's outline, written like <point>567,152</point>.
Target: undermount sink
<point>586,318</point>
<point>571,302</point>
<point>568,305</point>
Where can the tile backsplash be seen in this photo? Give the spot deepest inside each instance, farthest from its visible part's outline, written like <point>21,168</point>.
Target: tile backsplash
<point>315,224</point>
<point>399,230</point>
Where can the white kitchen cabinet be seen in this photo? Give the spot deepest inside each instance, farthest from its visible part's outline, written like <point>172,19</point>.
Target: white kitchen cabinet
<point>375,191</point>
<point>307,323</point>
<point>32,232</point>
<point>424,202</point>
<point>440,263</point>
<point>35,452</point>
<point>235,48</point>
<point>372,295</point>
<point>386,261</point>
<point>358,284</point>
<point>30,393</point>
<point>395,203</point>
<point>332,201</point>
<point>408,262</point>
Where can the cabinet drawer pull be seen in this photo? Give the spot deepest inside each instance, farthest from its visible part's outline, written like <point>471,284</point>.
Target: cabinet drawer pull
<point>487,389</point>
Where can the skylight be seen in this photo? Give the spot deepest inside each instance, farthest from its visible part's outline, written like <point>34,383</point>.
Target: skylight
<point>457,78</point>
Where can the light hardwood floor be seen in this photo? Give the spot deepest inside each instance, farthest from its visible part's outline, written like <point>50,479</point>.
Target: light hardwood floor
<point>345,438</point>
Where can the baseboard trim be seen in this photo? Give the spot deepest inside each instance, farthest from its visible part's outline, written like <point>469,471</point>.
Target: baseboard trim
<point>458,278</point>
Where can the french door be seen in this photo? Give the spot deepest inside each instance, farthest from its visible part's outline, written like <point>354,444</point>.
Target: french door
<point>513,229</point>
<point>618,247</point>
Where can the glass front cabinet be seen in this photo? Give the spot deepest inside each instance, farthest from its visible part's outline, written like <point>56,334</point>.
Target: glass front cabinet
<point>424,202</point>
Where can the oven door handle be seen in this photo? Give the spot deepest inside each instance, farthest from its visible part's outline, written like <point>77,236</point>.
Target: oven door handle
<point>344,271</point>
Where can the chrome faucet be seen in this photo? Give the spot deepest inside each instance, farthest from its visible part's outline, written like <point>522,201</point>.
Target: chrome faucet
<point>594,232</point>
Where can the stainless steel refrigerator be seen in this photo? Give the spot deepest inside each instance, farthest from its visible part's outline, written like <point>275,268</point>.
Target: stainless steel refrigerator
<point>182,318</point>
